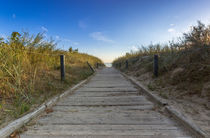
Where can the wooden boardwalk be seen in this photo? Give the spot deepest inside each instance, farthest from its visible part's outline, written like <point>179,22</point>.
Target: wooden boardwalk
<point>108,106</point>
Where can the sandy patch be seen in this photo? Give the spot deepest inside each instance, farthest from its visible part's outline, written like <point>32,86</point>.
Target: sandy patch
<point>192,106</point>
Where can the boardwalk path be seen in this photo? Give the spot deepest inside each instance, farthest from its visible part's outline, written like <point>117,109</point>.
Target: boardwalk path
<point>107,106</point>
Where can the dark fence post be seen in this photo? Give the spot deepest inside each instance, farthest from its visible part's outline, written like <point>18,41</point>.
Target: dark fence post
<point>155,65</point>
<point>97,65</point>
<point>126,64</point>
<point>62,67</point>
<point>90,67</point>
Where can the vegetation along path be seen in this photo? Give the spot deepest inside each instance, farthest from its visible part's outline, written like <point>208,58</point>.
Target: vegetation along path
<point>107,106</point>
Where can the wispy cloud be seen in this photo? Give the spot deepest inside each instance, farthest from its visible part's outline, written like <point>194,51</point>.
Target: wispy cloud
<point>44,29</point>
<point>75,43</point>
<point>175,32</point>
<point>100,37</point>
<point>66,40</point>
<point>172,24</point>
<point>134,48</point>
<point>3,36</point>
<point>171,30</point>
<point>13,16</point>
<point>82,24</point>
<point>58,38</point>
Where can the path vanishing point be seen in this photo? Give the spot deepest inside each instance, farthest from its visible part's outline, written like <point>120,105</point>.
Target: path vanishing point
<point>107,106</point>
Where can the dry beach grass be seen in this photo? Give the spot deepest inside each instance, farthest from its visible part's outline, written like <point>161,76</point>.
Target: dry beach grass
<point>30,72</point>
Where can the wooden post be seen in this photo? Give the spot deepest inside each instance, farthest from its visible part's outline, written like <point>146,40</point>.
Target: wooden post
<point>97,65</point>
<point>155,65</point>
<point>90,67</point>
<point>126,64</point>
<point>62,67</point>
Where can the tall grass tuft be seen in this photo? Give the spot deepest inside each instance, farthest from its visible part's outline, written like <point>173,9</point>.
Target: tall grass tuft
<point>191,54</point>
<point>29,71</point>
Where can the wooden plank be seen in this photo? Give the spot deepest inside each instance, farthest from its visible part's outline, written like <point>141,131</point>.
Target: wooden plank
<point>104,94</point>
<point>104,101</point>
<point>100,136</point>
<point>140,109</point>
<point>110,119</point>
<point>106,127</point>
<point>127,89</point>
<point>115,132</point>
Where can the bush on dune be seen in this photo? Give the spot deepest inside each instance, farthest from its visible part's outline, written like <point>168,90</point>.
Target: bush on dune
<point>191,55</point>
<point>29,70</point>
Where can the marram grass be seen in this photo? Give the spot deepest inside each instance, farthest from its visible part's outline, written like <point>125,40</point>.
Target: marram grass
<point>190,55</point>
<point>29,72</point>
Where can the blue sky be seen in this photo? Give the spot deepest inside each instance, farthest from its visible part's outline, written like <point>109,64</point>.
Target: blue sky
<point>104,28</point>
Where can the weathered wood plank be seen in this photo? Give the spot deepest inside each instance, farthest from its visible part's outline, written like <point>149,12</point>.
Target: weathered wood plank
<point>100,136</point>
<point>105,94</point>
<point>127,89</point>
<point>98,109</point>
